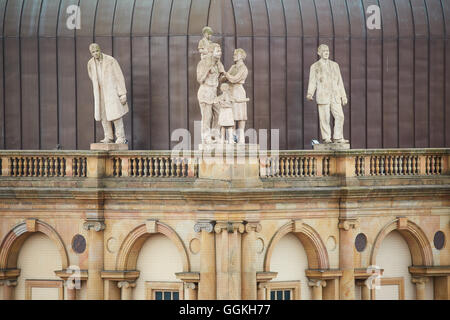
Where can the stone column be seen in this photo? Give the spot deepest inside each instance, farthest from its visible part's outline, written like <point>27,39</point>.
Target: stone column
<point>346,243</point>
<point>126,289</point>
<point>207,284</point>
<point>95,263</point>
<point>317,285</point>
<point>261,291</point>
<point>420,287</point>
<point>8,289</point>
<point>221,229</point>
<point>71,290</point>
<point>249,290</point>
<point>191,291</point>
<point>365,291</point>
<point>235,261</point>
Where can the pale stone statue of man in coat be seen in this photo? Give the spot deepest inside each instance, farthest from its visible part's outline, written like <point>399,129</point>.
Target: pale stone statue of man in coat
<point>110,94</point>
<point>326,81</point>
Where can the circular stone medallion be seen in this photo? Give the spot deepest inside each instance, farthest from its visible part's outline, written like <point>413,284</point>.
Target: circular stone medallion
<point>439,240</point>
<point>78,244</point>
<point>360,242</point>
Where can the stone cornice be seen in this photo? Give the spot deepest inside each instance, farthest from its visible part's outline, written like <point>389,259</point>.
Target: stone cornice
<point>260,194</point>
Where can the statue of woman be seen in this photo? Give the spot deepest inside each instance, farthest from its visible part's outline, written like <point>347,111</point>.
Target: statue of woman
<point>237,76</point>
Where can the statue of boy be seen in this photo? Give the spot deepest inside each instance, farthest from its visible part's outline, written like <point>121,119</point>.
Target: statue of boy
<point>325,77</point>
<point>205,42</point>
<point>110,93</point>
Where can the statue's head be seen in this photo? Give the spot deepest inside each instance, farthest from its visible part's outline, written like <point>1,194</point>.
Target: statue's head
<point>215,50</point>
<point>239,54</point>
<point>95,50</point>
<point>207,32</point>
<point>323,51</point>
<point>224,87</point>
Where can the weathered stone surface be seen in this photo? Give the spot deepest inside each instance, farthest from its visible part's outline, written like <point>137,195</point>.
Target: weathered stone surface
<point>109,146</point>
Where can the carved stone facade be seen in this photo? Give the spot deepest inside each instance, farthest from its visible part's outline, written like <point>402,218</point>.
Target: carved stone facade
<point>227,238</point>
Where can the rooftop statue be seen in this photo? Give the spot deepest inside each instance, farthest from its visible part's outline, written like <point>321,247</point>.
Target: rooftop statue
<point>325,81</point>
<point>110,94</point>
<point>208,71</point>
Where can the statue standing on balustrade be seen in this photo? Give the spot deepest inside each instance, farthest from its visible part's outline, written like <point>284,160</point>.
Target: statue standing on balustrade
<point>325,81</point>
<point>110,94</point>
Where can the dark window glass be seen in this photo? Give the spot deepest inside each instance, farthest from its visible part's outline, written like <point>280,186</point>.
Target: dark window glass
<point>279,295</point>
<point>287,294</point>
<point>158,295</point>
<point>176,296</point>
<point>272,295</point>
<point>167,295</point>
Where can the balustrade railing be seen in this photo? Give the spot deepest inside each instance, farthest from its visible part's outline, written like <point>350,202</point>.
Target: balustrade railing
<point>273,165</point>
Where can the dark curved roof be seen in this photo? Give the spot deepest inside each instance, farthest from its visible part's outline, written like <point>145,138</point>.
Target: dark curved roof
<point>396,77</point>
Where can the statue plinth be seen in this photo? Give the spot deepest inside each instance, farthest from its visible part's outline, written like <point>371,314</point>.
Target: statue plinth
<point>229,163</point>
<point>109,146</point>
<point>331,146</point>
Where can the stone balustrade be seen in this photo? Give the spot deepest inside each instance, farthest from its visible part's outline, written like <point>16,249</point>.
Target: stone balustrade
<point>280,165</point>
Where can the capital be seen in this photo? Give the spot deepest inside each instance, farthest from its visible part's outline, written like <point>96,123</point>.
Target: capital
<point>236,227</point>
<point>317,283</point>
<point>8,283</point>
<point>207,226</point>
<point>190,285</point>
<point>96,225</point>
<point>347,224</point>
<point>253,227</point>
<point>126,284</point>
<point>419,280</point>
<point>220,226</point>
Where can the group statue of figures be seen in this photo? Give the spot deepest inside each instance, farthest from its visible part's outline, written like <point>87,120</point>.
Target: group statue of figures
<point>227,112</point>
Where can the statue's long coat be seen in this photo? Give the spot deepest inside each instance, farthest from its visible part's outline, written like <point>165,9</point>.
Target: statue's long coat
<point>327,81</point>
<point>113,86</point>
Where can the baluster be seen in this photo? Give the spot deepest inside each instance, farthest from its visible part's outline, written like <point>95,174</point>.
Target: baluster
<point>433,165</point>
<point>400,165</point>
<point>184,167</point>
<point>167,163</point>
<point>52,166</point>
<point>156,167</point>
<point>161,167</point>
<point>296,167</point>
<point>150,167</point>
<point>79,173</point>
<point>178,162</point>
<point>282,167</point>
<point>409,165</point>
<point>139,167</point>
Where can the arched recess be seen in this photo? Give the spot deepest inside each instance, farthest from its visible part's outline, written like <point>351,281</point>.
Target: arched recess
<point>315,249</point>
<point>11,244</point>
<point>419,246</point>
<point>129,250</point>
